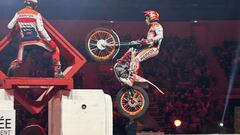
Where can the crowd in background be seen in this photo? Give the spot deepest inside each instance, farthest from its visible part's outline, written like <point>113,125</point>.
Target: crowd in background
<point>228,55</point>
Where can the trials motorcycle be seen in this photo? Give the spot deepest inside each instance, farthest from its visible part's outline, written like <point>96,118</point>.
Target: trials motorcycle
<point>104,44</point>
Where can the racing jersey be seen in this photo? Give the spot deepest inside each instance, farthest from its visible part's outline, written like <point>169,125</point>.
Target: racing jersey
<point>155,35</point>
<point>30,24</point>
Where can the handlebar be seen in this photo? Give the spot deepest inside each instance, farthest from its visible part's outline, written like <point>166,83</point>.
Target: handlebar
<point>132,43</point>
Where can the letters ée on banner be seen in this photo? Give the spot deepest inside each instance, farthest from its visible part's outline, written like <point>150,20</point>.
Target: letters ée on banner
<point>7,122</point>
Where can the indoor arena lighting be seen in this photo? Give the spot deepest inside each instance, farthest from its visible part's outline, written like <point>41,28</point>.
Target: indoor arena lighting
<point>177,123</point>
<point>221,124</point>
<point>231,81</point>
<point>195,21</point>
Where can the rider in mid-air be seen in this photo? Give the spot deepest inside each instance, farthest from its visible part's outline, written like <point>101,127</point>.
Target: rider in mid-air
<point>32,32</point>
<point>153,42</point>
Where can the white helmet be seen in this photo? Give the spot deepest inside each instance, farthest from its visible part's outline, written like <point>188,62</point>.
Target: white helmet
<point>31,3</point>
<point>34,1</point>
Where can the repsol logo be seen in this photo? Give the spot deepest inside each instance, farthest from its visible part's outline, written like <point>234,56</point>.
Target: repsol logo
<point>147,54</point>
<point>26,15</point>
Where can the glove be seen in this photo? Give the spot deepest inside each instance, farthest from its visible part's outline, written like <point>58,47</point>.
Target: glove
<point>144,41</point>
<point>134,42</point>
<point>52,45</point>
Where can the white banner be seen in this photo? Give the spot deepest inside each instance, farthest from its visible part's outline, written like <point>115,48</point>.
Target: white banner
<point>7,122</point>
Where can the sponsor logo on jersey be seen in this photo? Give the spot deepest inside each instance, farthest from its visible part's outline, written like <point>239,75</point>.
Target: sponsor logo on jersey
<point>147,54</point>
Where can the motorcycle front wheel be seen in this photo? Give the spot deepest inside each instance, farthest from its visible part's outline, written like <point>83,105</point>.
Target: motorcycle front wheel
<point>102,44</point>
<point>132,105</point>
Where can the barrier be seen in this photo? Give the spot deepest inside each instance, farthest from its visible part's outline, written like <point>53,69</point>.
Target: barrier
<point>7,113</point>
<point>75,112</point>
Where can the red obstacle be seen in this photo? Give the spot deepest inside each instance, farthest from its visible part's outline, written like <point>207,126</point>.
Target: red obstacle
<point>50,85</point>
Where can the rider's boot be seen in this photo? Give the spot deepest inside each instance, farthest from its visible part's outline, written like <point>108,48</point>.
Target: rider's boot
<point>58,72</point>
<point>13,66</point>
<point>57,69</point>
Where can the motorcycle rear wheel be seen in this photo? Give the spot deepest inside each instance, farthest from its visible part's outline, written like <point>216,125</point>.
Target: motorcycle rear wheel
<point>134,106</point>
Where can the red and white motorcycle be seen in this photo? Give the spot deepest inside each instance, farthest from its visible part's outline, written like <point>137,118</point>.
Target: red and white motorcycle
<point>103,44</point>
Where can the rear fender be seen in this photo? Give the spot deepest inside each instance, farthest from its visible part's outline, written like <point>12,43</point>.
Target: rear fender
<point>143,80</point>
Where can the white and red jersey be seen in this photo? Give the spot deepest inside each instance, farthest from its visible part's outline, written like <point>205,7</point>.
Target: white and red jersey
<point>32,32</point>
<point>30,24</point>
<point>154,39</point>
<point>155,35</point>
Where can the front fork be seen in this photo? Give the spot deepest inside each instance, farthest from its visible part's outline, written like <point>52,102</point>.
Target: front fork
<point>132,100</point>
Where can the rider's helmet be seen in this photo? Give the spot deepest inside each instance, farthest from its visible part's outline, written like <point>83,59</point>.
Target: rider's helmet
<point>31,3</point>
<point>153,15</point>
